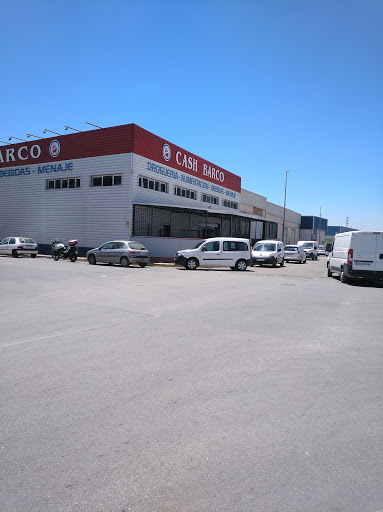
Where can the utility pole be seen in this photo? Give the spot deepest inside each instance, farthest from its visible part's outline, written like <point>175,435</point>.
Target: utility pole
<point>284,209</point>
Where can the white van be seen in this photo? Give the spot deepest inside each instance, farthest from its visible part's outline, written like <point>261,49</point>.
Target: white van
<point>217,252</point>
<point>357,255</point>
<point>268,252</point>
<point>310,247</point>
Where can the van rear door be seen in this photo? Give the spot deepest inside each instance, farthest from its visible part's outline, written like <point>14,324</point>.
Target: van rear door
<point>364,247</point>
<point>379,252</point>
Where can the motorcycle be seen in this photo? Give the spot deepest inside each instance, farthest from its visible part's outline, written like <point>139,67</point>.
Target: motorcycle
<point>60,251</point>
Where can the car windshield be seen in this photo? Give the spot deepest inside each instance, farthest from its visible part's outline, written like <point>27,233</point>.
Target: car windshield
<point>291,248</point>
<point>199,244</point>
<point>307,245</point>
<point>264,247</point>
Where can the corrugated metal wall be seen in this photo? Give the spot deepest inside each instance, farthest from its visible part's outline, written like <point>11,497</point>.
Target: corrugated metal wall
<point>90,214</point>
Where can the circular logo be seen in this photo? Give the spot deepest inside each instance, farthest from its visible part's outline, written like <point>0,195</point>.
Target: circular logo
<point>166,152</point>
<point>54,148</point>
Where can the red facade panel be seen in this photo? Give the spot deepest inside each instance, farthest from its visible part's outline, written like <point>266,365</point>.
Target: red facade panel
<point>106,141</point>
<point>151,146</point>
<point>128,138</point>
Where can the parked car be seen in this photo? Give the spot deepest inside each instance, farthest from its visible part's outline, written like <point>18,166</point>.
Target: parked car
<point>310,248</point>
<point>357,255</point>
<point>123,252</point>
<point>268,252</point>
<point>16,245</point>
<point>295,253</point>
<point>322,250</point>
<point>216,252</point>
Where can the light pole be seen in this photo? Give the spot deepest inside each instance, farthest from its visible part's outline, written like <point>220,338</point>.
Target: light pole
<point>320,221</point>
<point>284,209</point>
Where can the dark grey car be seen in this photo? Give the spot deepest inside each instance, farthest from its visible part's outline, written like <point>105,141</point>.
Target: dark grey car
<point>123,252</point>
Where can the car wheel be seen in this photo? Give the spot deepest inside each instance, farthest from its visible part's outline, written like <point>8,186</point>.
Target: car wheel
<point>342,276</point>
<point>92,259</point>
<point>124,261</point>
<point>191,264</point>
<point>329,273</point>
<point>142,265</point>
<point>241,265</point>
<point>33,255</point>
<point>305,260</point>
<point>275,262</point>
<point>15,254</point>
<point>282,262</point>
<point>300,261</point>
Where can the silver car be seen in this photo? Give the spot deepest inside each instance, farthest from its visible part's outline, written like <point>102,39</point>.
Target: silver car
<point>322,250</point>
<point>16,245</point>
<point>123,252</point>
<point>295,253</point>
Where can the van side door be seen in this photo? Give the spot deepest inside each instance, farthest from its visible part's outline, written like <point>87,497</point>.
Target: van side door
<point>210,254</point>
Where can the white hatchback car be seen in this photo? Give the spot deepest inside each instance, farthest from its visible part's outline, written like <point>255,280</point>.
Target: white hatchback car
<point>16,245</point>
<point>295,253</point>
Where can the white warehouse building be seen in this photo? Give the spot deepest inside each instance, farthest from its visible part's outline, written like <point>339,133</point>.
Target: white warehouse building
<point>126,183</point>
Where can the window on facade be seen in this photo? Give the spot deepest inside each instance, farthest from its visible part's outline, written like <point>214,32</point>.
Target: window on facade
<point>106,180</point>
<point>184,192</point>
<point>230,204</point>
<point>159,186</point>
<point>209,199</point>
<point>64,183</point>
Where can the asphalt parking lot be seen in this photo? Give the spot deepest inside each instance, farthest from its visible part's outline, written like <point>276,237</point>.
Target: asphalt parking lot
<point>167,390</point>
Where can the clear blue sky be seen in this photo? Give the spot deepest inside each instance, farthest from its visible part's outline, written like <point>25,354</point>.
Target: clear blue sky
<point>256,87</point>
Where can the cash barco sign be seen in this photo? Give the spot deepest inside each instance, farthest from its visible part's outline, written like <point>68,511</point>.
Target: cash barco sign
<point>191,163</point>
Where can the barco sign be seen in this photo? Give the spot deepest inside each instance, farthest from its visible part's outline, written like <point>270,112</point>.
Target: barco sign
<point>23,153</point>
<point>26,152</point>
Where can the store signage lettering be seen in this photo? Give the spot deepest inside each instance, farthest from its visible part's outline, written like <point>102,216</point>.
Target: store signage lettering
<point>186,178</point>
<point>23,153</point>
<point>191,163</point>
<point>213,173</point>
<point>186,161</point>
<point>39,169</point>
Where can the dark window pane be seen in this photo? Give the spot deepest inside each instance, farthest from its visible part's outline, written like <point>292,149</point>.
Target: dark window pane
<point>96,181</point>
<point>107,181</point>
<point>117,180</point>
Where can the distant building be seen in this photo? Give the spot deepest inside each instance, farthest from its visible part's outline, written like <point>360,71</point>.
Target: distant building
<point>313,228</point>
<point>333,230</point>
